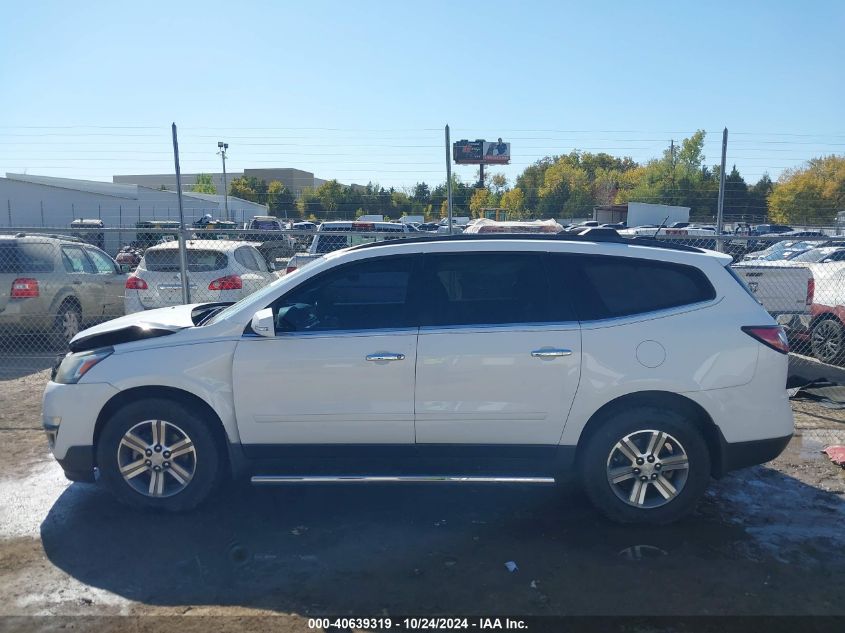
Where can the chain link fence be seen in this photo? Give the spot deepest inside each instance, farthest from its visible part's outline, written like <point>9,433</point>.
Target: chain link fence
<point>55,282</point>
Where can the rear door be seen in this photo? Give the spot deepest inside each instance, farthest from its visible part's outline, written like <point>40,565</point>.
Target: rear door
<point>498,358</point>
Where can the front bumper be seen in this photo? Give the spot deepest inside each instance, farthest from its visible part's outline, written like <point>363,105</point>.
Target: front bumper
<point>69,417</point>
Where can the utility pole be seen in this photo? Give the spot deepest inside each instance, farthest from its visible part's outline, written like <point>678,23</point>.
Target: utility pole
<point>223,147</point>
<point>720,213</point>
<point>672,157</point>
<point>183,250</point>
<point>448,180</point>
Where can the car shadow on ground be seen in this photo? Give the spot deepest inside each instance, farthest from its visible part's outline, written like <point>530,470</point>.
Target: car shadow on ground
<point>424,549</point>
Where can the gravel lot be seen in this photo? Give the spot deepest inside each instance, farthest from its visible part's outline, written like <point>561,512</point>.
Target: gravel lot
<point>767,540</point>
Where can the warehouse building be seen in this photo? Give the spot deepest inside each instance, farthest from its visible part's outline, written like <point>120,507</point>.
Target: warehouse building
<point>28,201</point>
<point>294,179</point>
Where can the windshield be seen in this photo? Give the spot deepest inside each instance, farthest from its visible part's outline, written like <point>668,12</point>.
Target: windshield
<point>812,256</point>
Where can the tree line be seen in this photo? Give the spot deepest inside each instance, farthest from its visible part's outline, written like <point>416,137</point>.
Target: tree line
<point>571,185</point>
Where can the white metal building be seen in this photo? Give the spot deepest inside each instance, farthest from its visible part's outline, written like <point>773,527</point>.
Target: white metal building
<point>44,201</point>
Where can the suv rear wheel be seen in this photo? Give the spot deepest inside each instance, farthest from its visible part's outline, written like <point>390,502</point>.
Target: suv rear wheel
<point>645,465</point>
<point>68,323</point>
<point>158,454</point>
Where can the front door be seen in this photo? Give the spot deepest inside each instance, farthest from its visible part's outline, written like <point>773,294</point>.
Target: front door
<point>340,368</point>
<point>498,357</point>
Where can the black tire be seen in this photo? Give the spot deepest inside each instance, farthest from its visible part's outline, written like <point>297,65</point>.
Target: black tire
<point>207,461</point>
<point>827,340</point>
<point>68,323</point>
<point>595,456</point>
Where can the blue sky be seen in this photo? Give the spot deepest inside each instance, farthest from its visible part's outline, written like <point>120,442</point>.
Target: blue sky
<point>360,91</point>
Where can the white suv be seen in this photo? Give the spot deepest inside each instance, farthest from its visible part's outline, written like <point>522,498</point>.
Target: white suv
<point>647,368</point>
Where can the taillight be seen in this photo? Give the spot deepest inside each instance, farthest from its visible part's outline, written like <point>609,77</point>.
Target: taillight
<point>135,283</point>
<point>24,287</point>
<point>229,282</point>
<point>811,290</point>
<point>290,269</point>
<point>772,336</point>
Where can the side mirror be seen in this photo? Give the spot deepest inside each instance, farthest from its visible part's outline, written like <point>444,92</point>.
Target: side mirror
<point>125,268</point>
<point>263,324</point>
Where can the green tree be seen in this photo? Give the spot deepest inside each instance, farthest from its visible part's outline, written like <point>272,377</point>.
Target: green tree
<point>308,204</point>
<point>811,194</point>
<point>480,199</point>
<point>204,184</point>
<point>280,199</point>
<point>249,188</point>
<point>514,201</point>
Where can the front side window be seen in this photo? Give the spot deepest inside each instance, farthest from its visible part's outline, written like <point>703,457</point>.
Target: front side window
<point>365,295</point>
<point>102,262</point>
<point>608,287</point>
<point>477,288</point>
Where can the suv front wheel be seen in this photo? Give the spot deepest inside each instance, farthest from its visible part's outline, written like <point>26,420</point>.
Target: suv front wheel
<point>645,465</point>
<point>158,454</point>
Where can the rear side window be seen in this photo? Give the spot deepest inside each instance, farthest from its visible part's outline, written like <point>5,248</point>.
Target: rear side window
<point>199,260</point>
<point>32,257</point>
<point>484,289</point>
<point>607,287</point>
<point>75,260</point>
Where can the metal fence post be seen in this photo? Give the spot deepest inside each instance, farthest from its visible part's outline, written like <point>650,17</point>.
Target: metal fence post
<point>9,207</point>
<point>42,213</point>
<point>183,251</point>
<point>720,213</point>
<point>448,180</point>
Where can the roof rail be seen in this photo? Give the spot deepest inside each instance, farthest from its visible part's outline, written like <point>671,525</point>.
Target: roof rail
<point>55,236</point>
<point>589,234</point>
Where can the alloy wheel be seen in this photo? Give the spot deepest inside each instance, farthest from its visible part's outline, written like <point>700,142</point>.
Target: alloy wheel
<point>69,324</point>
<point>827,341</point>
<point>156,458</point>
<point>647,468</point>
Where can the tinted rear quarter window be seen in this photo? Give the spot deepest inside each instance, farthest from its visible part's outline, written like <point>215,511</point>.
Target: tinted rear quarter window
<point>199,260</point>
<point>607,287</point>
<point>32,257</point>
<point>484,289</point>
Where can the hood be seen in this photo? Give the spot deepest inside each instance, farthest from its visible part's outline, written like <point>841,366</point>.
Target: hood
<point>136,327</point>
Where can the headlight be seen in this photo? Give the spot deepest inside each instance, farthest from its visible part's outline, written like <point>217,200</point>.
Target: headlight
<point>75,366</point>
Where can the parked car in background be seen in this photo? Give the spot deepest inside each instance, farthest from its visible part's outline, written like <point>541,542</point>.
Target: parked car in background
<point>218,270</point>
<point>826,327</point>
<point>54,285</point>
<point>645,368</point>
<point>333,236</point>
<point>534,226</point>
<point>129,255</point>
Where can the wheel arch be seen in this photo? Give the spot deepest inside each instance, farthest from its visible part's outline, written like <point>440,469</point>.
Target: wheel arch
<point>231,457</point>
<point>61,298</point>
<point>668,401</point>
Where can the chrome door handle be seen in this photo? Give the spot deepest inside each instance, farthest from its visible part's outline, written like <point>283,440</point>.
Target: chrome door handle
<point>551,353</point>
<point>385,356</point>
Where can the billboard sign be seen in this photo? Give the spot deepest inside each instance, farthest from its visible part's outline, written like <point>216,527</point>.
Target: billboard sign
<point>480,152</point>
<point>497,153</point>
<point>468,152</point>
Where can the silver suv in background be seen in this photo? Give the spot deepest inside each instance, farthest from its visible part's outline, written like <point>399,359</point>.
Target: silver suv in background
<point>54,285</point>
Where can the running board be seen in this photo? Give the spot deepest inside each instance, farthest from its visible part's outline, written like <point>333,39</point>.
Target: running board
<point>269,480</point>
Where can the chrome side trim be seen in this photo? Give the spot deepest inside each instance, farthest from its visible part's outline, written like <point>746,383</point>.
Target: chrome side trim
<point>504,327</point>
<point>264,480</point>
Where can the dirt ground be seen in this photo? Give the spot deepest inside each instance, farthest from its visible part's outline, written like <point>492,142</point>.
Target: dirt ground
<point>766,540</point>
